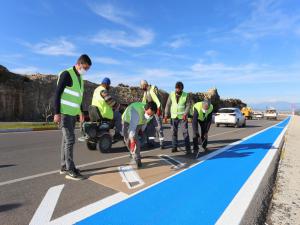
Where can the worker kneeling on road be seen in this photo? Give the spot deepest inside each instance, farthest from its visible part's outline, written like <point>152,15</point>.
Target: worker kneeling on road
<point>151,94</point>
<point>134,121</point>
<point>107,106</point>
<point>203,116</point>
<point>180,106</point>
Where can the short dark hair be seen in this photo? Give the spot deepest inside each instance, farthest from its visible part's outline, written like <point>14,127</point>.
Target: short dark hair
<point>179,84</point>
<point>84,59</point>
<point>152,106</point>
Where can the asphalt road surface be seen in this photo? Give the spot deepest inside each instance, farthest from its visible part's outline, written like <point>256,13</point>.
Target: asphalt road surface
<point>30,161</point>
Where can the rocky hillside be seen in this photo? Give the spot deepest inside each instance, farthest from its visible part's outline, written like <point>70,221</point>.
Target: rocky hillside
<point>30,98</point>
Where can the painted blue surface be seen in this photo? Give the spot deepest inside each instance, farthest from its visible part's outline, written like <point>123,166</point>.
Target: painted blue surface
<point>198,195</point>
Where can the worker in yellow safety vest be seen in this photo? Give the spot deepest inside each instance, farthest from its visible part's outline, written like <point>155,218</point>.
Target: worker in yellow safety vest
<point>151,94</point>
<point>134,121</point>
<point>202,114</point>
<point>107,106</point>
<point>178,105</point>
<point>67,106</point>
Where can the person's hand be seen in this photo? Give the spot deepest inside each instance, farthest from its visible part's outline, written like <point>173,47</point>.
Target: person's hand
<point>57,118</point>
<point>81,118</point>
<point>205,135</point>
<point>184,117</point>
<point>132,145</point>
<point>166,120</point>
<point>158,113</point>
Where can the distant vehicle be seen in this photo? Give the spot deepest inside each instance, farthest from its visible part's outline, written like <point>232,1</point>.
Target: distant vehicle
<point>258,115</point>
<point>230,116</point>
<point>271,114</point>
<point>247,112</point>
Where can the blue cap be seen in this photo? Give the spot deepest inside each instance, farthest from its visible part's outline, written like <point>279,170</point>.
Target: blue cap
<point>106,80</point>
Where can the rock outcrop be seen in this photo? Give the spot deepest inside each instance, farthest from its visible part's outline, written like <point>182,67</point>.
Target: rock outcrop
<point>31,97</point>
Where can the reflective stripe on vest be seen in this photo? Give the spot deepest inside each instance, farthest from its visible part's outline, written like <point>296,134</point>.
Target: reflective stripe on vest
<point>71,98</point>
<point>105,109</point>
<point>139,108</point>
<point>177,109</point>
<point>202,116</point>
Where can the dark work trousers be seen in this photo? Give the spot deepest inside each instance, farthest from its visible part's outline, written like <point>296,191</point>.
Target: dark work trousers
<point>153,127</point>
<point>68,139</point>
<point>204,126</point>
<point>184,127</point>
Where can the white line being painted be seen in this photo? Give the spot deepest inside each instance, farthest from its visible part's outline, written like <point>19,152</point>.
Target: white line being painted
<point>44,212</point>
<point>130,177</point>
<point>235,211</point>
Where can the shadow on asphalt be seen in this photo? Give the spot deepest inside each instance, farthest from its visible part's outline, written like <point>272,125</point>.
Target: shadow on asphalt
<point>7,207</point>
<point>242,150</point>
<point>8,165</point>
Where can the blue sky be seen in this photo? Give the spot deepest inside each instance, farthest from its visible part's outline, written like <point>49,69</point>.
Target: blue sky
<point>247,49</point>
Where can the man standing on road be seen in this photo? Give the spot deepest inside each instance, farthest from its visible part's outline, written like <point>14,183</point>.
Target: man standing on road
<point>203,116</point>
<point>179,104</point>
<point>135,119</point>
<point>155,125</point>
<point>68,105</point>
<point>107,106</point>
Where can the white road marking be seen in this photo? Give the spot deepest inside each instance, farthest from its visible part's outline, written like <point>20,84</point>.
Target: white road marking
<point>97,162</point>
<point>130,177</point>
<point>100,205</point>
<point>235,211</point>
<point>170,160</point>
<point>44,212</point>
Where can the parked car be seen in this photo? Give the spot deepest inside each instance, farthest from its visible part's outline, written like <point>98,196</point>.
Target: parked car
<point>258,115</point>
<point>271,114</point>
<point>230,116</point>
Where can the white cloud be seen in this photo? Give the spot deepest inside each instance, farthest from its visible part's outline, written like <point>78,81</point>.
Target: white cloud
<point>178,42</point>
<point>106,60</point>
<point>267,18</point>
<point>134,37</point>
<point>115,38</point>
<point>211,53</point>
<point>26,70</point>
<point>54,47</point>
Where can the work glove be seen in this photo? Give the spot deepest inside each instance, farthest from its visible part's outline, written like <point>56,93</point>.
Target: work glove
<point>184,117</point>
<point>166,120</point>
<point>158,112</point>
<point>132,146</point>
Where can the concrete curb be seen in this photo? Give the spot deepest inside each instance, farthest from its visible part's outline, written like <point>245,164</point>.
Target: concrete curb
<point>251,203</point>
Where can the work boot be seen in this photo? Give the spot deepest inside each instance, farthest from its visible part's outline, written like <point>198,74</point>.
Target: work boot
<point>174,149</point>
<point>63,170</point>
<point>138,163</point>
<point>150,144</point>
<point>74,175</point>
<point>117,137</point>
<point>188,150</point>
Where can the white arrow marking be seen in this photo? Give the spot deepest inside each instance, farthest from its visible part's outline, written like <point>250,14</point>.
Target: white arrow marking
<point>44,212</point>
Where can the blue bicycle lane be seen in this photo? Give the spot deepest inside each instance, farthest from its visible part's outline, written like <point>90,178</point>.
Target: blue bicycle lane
<point>198,195</point>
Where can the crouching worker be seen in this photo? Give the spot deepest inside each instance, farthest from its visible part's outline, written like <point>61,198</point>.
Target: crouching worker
<point>108,108</point>
<point>134,121</point>
<point>203,116</point>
